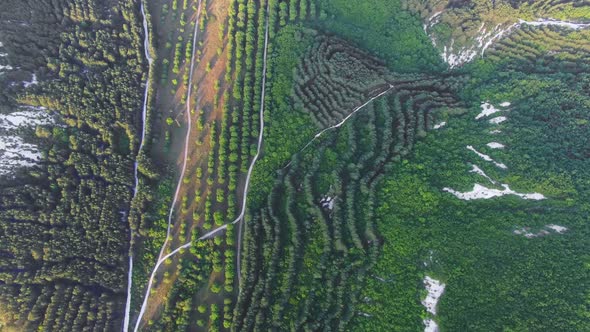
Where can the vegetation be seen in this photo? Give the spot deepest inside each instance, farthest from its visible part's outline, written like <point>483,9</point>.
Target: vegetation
<point>346,213</point>
<point>64,226</point>
<point>360,265</point>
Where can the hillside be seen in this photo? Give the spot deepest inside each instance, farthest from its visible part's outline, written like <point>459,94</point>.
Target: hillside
<point>301,165</point>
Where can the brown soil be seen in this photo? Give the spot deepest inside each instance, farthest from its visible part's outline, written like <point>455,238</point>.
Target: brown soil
<point>171,105</point>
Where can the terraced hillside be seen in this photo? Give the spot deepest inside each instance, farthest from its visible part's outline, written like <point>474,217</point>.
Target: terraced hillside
<point>333,77</point>
<point>311,245</point>
<point>352,224</point>
<point>254,165</point>
<point>463,30</point>
<point>544,50</point>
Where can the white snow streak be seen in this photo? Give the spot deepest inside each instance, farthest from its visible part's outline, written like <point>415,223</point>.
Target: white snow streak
<point>435,290</point>
<point>495,145</point>
<point>525,231</point>
<point>484,39</point>
<point>498,120</point>
<point>488,109</point>
<point>550,21</point>
<point>479,171</point>
<point>439,125</point>
<point>481,192</point>
<point>33,81</point>
<point>486,157</point>
<point>557,228</point>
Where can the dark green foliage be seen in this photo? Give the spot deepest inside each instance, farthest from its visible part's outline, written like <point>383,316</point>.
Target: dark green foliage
<point>302,262</point>
<point>64,234</point>
<point>384,29</point>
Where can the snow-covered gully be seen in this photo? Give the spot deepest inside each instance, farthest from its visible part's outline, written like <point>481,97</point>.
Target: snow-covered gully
<point>435,290</point>
<point>487,36</point>
<point>564,24</point>
<point>148,56</point>
<point>486,157</point>
<point>183,169</point>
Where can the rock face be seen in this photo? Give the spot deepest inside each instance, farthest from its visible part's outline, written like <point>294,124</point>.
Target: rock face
<point>15,152</point>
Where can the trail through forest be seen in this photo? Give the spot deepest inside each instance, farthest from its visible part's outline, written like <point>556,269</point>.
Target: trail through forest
<point>240,217</point>
<point>251,168</point>
<point>148,56</point>
<point>183,169</point>
<point>318,135</point>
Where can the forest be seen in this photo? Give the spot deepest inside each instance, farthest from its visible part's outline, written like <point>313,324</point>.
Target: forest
<point>64,227</point>
<point>253,165</point>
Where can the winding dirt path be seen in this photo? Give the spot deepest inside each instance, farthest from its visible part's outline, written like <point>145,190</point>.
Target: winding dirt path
<point>179,184</point>
<point>346,118</point>
<point>318,135</point>
<point>250,169</point>
<point>240,217</point>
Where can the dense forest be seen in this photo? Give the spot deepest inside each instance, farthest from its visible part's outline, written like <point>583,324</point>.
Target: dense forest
<point>341,237</point>
<point>256,165</point>
<point>64,228</point>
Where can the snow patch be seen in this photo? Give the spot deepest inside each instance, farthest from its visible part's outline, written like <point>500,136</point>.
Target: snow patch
<point>32,117</point>
<point>525,231</point>
<point>495,131</point>
<point>505,104</point>
<point>550,21</point>
<point>440,125</point>
<point>327,202</point>
<point>495,145</point>
<point>481,192</point>
<point>435,290</point>
<point>557,228</point>
<point>457,58</point>
<point>488,109</point>
<point>482,41</point>
<point>430,325</point>
<point>498,120</point>
<point>486,157</point>
<point>14,152</point>
<point>33,81</point>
